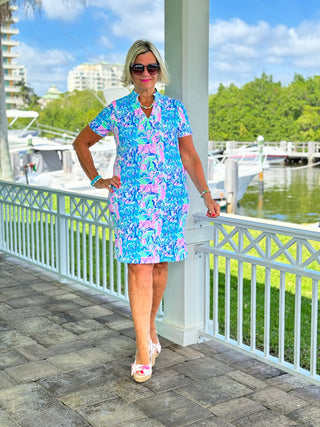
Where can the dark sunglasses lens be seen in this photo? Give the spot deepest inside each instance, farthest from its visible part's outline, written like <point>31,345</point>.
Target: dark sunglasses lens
<point>153,68</point>
<point>137,68</point>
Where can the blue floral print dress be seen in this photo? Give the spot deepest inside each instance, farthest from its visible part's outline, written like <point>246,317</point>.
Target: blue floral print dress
<point>149,209</point>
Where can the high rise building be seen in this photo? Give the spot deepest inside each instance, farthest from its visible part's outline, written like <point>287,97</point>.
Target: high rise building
<point>14,74</point>
<point>95,76</point>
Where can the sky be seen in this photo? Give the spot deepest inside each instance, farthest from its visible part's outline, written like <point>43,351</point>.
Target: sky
<point>246,38</point>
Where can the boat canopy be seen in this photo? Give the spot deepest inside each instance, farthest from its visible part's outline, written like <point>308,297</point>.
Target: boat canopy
<point>22,114</point>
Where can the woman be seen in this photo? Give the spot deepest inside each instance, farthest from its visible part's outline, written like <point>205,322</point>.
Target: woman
<point>148,197</point>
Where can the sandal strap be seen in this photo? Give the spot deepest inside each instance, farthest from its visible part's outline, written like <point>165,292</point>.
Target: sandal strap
<point>145,369</point>
<point>156,348</point>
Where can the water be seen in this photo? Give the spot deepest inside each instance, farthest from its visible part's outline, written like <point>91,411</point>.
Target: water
<point>291,194</point>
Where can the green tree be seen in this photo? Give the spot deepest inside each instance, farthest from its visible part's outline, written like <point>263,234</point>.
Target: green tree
<point>72,111</point>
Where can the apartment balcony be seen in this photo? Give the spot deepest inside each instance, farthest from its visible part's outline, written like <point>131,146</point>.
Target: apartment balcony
<point>12,78</point>
<point>10,43</point>
<point>67,347</point>
<point>12,89</point>
<point>10,54</point>
<point>9,30</point>
<point>10,66</point>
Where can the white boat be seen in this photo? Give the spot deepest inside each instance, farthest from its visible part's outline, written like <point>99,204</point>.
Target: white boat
<point>217,175</point>
<point>270,155</point>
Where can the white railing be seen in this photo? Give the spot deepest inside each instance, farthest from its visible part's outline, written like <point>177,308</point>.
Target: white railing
<point>262,277</point>
<point>262,290</point>
<point>66,233</point>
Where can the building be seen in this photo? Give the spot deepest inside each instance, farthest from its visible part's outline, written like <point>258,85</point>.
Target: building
<point>14,74</point>
<point>95,76</point>
<point>52,93</point>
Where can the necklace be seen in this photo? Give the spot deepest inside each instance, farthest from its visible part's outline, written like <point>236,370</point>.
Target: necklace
<point>146,108</point>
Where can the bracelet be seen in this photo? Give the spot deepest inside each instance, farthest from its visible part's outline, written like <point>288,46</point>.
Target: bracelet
<point>95,180</point>
<point>204,192</point>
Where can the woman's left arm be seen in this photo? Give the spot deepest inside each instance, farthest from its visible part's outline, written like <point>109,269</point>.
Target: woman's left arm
<point>192,163</point>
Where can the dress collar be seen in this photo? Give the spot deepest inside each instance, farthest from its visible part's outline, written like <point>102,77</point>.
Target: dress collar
<point>134,96</point>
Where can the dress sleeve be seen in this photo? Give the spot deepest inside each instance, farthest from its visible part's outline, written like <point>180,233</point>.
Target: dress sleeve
<point>103,123</point>
<point>184,127</point>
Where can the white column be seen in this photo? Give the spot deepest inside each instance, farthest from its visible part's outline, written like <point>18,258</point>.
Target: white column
<point>186,53</point>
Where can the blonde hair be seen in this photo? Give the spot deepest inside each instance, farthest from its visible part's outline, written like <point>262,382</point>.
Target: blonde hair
<point>140,47</point>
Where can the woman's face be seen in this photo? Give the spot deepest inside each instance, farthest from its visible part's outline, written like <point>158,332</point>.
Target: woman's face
<point>144,81</point>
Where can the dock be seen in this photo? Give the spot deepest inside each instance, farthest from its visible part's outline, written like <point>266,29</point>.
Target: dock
<point>298,152</point>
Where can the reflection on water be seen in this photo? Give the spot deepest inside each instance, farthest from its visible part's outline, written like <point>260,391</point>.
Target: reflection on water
<point>290,194</point>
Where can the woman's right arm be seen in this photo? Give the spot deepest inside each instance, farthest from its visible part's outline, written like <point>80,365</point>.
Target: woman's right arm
<point>86,139</point>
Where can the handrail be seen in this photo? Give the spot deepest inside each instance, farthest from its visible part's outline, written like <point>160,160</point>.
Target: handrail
<point>264,270</point>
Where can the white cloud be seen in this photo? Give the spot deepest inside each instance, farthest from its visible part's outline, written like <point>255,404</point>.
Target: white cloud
<point>240,52</point>
<point>67,10</point>
<point>133,19</point>
<point>45,67</point>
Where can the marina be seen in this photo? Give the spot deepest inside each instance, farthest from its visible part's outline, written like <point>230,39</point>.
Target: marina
<point>290,194</point>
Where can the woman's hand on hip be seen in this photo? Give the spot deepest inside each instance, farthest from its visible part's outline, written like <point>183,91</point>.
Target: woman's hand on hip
<point>106,183</point>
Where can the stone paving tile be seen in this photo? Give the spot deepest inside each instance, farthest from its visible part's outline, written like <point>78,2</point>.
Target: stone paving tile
<point>91,312</point>
<point>212,422</point>
<point>5,381</point>
<point>266,418</point>
<point>33,352</point>
<point>166,380</point>
<point>11,358</point>
<point>287,382</point>
<point>115,321</point>
<point>169,358</point>
<point>4,307</point>
<point>129,390</point>
<point>187,353</point>
<point>309,416</point>
<point>33,325</point>
<point>26,399</point>
<point>6,420</point>
<point>99,336</point>
<point>81,379</point>
<point>236,408</point>
<point>112,413</point>
<point>258,369</point>
<point>172,410</point>
<point>119,345</point>
<point>23,313</point>
<point>31,371</point>
<point>53,336</point>
<point>201,369</point>
<point>56,416</point>
<point>278,400</point>
<point>310,393</point>
<point>78,359</point>
<point>90,396</point>
<point>213,390</point>
<point>67,347</point>
<point>12,338</point>
<point>82,326</point>
<point>247,380</point>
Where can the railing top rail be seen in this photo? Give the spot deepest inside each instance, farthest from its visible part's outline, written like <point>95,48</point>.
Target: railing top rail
<point>53,191</point>
<point>269,226</point>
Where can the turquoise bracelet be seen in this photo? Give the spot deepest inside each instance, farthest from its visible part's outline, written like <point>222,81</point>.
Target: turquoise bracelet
<point>95,180</point>
<point>204,192</point>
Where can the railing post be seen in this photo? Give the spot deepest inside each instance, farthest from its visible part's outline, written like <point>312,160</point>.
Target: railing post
<point>61,238</point>
<point>186,52</point>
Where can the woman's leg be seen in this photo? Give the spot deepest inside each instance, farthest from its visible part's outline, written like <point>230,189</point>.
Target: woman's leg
<point>140,296</point>
<point>160,278</point>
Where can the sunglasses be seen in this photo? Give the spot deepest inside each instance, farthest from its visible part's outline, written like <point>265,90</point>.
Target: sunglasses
<point>138,69</point>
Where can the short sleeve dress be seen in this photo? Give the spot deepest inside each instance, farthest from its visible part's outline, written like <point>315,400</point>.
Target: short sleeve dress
<point>149,209</point>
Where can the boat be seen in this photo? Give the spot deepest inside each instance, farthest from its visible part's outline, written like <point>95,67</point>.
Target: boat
<point>270,155</point>
<point>247,171</point>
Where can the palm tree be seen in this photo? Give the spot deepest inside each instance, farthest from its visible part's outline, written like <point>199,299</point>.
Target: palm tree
<point>5,15</point>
